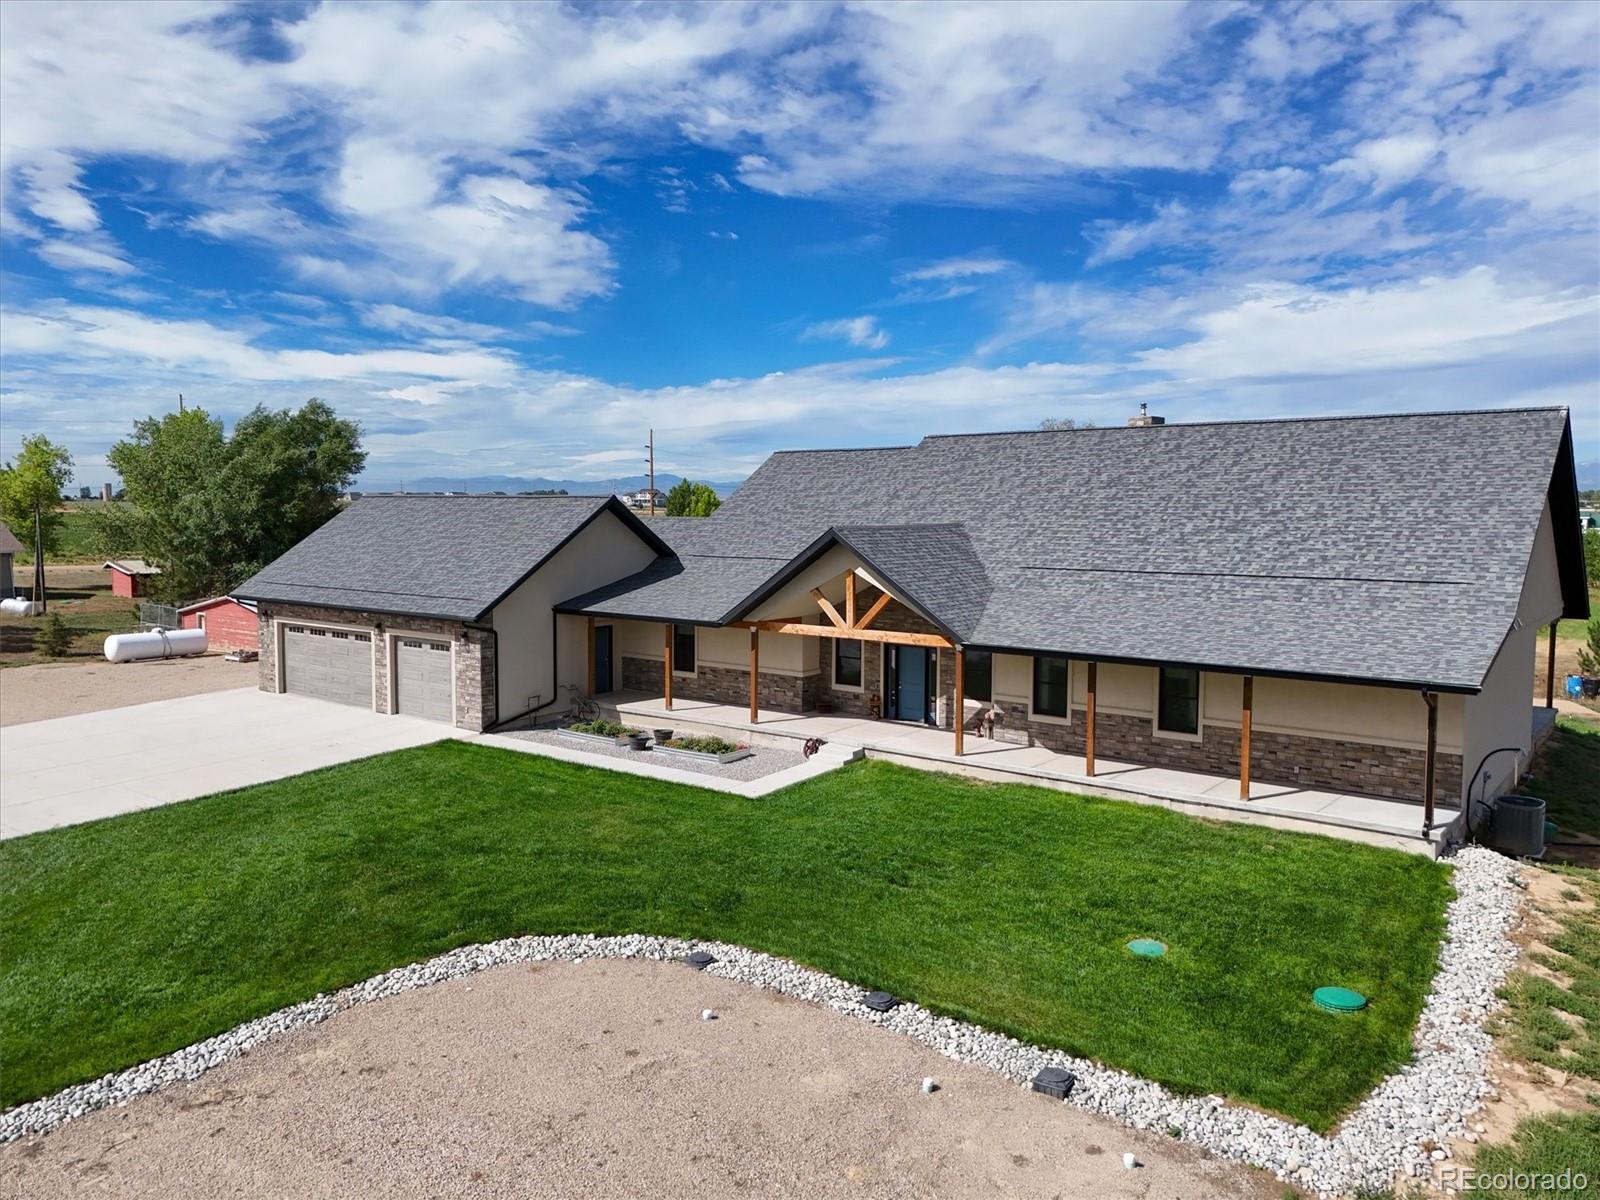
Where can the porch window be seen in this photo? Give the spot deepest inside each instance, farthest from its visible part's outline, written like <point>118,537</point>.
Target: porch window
<point>1050,685</point>
<point>846,662</point>
<point>979,677</point>
<point>1178,701</point>
<point>683,649</point>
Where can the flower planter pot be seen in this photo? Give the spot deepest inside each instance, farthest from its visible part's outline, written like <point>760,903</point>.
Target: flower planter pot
<point>696,755</point>
<point>638,741</point>
<point>661,735</point>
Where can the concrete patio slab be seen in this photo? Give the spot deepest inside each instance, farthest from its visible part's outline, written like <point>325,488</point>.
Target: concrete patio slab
<point>99,764</point>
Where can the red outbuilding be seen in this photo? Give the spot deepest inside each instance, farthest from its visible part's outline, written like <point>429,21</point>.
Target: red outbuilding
<point>130,576</point>
<point>229,624</point>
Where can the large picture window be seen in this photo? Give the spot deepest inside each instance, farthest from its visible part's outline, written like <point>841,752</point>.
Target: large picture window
<point>1178,701</point>
<point>683,649</point>
<point>846,662</point>
<point>1050,685</point>
<point>979,676</point>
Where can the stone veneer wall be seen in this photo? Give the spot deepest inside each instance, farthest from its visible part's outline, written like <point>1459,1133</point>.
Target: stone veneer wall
<point>895,618</point>
<point>724,685</point>
<point>1392,772</point>
<point>474,659</point>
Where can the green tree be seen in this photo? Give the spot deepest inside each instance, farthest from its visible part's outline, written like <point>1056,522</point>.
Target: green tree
<point>688,499</point>
<point>30,494</point>
<point>1589,656</point>
<point>1591,555</point>
<point>211,509</point>
<point>53,638</point>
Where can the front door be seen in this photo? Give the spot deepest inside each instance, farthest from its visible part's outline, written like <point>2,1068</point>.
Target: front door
<point>909,687</point>
<point>602,659</point>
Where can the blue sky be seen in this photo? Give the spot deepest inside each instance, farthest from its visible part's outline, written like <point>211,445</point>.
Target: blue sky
<point>509,238</point>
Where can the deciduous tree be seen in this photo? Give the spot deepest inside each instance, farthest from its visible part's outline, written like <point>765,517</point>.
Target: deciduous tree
<point>30,494</point>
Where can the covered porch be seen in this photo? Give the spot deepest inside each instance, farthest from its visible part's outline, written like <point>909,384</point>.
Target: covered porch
<point>1391,823</point>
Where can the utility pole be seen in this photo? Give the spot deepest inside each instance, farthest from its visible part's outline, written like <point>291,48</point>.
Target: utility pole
<point>38,561</point>
<point>180,401</point>
<point>651,447</point>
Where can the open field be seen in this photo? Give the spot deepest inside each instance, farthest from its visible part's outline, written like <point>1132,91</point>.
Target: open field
<point>75,544</point>
<point>1005,905</point>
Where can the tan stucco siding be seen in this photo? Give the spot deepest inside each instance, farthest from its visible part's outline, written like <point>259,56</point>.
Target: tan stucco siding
<point>1501,714</point>
<point>728,647</point>
<point>602,551</point>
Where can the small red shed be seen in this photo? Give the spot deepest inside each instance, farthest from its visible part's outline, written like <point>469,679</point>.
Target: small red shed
<point>229,624</point>
<point>129,576</point>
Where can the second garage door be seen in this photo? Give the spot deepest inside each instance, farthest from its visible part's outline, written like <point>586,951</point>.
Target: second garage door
<point>330,664</point>
<point>422,676</point>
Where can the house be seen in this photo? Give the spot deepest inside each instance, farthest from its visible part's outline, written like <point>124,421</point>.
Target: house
<point>646,498</point>
<point>1177,603</point>
<point>230,623</point>
<point>129,576</point>
<point>9,547</point>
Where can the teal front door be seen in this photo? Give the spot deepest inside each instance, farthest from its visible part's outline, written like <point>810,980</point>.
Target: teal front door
<point>909,686</point>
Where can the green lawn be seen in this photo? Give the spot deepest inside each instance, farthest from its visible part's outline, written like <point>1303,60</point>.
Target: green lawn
<point>1566,776</point>
<point>1006,905</point>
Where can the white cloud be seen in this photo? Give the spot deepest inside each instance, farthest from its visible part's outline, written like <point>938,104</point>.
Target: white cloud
<point>858,331</point>
<point>398,319</point>
<point>1291,330</point>
<point>956,268</point>
<point>89,253</point>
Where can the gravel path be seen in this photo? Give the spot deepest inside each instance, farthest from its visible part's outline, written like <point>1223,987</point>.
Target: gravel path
<point>765,761</point>
<point>601,1080</point>
<point>49,690</point>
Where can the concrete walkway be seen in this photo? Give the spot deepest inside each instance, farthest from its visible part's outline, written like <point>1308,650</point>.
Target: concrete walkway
<point>119,760</point>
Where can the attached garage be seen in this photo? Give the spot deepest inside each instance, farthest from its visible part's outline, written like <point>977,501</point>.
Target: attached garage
<point>424,679</point>
<point>330,664</point>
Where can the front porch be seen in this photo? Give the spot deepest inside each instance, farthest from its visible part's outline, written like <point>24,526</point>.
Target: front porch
<point>1391,823</point>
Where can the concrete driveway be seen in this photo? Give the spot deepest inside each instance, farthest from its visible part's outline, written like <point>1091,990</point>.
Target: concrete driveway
<point>98,764</point>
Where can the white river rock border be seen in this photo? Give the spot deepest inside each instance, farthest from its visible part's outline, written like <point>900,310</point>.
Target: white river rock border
<point>1428,1100</point>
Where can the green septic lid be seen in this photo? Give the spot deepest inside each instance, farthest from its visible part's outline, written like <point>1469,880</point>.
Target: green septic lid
<point>1338,999</point>
<point>1147,947</point>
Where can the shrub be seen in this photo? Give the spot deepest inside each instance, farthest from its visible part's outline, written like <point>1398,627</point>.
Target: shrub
<point>1589,656</point>
<point>703,745</point>
<point>604,728</point>
<point>53,638</point>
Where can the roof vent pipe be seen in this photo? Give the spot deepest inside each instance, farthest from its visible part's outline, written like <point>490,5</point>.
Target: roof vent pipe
<point>1144,418</point>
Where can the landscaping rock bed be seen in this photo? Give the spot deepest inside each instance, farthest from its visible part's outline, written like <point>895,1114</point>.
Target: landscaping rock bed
<point>1392,1132</point>
<point>764,761</point>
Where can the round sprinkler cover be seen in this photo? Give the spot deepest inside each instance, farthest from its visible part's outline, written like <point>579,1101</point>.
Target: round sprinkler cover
<point>1147,947</point>
<point>1338,999</point>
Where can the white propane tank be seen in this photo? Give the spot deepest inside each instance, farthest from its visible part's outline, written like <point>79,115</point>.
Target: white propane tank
<point>158,643</point>
<point>17,606</point>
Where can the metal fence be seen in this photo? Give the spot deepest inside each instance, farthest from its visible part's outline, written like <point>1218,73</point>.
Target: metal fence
<point>157,616</point>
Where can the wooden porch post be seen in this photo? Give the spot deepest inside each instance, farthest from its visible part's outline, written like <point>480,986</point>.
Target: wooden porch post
<point>850,599</point>
<point>1550,670</point>
<point>589,637</point>
<point>1088,723</point>
<point>666,667</point>
<point>1246,711</point>
<point>1431,699</point>
<point>755,670</point>
<point>961,686</point>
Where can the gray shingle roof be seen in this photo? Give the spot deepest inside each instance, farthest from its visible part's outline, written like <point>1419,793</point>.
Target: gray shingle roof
<point>8,542</point>
<point>1388,548</point>
<point>439,556</point>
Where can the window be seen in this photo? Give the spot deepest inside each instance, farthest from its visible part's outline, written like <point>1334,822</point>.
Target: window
<point>1050,685</point>
<point>683,649</point>
<point>846,662</point>
<point>1178,701</point>
<point>979,677</point>
<point>200,621</point>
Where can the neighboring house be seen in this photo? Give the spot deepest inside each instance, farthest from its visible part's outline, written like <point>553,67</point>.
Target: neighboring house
<point>1176,603</point>
<point>130,576</point>
<point>646,498</point>
<point>9,547</point>
<point>1589,518</point>
<point>230,623</point>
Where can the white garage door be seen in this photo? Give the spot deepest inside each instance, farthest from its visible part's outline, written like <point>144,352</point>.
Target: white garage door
<point>330,664</point>
<point>422,674</point>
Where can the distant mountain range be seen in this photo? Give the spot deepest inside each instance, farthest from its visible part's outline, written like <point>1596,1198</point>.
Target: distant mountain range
<point>479,484</point>
<point>1588,475</point>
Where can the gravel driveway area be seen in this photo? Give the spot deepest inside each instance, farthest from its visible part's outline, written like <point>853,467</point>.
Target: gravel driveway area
<point>765,761</point>
<point>600,1079</point>
<point>49,690</point>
